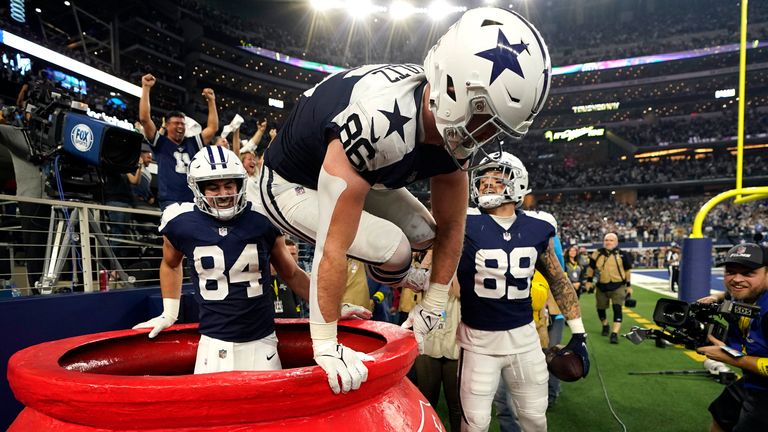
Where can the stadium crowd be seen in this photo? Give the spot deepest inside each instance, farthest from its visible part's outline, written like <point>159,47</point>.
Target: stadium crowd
<point>654,220</point>
<point>552,175</point>
<point>694,130</point>
<point>720,165</point>
<point>646,228</point>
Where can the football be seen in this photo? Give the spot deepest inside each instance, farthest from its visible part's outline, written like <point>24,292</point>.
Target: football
<point>564,364</point>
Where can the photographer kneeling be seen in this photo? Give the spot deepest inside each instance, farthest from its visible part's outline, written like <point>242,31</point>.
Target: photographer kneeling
<point>738,408</point>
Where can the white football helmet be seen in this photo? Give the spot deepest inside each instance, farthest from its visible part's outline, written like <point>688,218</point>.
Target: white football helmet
<point>217,163</point>
<point>507,169</point>
<point>489,76</point>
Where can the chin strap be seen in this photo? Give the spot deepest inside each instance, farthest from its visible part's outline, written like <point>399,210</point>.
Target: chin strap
<point>490,201</point>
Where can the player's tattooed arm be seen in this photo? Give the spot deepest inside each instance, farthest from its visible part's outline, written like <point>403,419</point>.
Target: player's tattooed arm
<point>562,290</point>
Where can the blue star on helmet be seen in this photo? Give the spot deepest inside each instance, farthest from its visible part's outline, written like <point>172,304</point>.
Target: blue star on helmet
<point>504,56</point>
<point>396,121</point>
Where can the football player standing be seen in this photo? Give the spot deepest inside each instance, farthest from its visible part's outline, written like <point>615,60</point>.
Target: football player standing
<point>503,246</point>
<point>230,246</point>
<point>336,173</point>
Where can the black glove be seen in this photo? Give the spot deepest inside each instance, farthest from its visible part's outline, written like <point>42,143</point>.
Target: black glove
<point>578,344</point>
<point>629,301</point>
<point>590,287</point>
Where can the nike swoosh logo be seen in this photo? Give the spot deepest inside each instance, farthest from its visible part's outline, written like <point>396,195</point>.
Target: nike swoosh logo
<point>428,319</point>
<point>374,138</point>
<point>269,357</point>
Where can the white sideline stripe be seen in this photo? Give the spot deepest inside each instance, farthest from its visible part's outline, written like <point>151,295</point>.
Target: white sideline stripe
<point>655,284</point>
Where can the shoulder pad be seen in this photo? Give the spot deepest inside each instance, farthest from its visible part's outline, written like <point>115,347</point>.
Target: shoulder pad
<point>542,215</point>
<point>174,210</point>
<point>473,211</point>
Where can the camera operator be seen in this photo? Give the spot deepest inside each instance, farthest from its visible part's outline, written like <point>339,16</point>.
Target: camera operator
<point>30,182</point>
<point>613,266</point>
<point>739,407</point>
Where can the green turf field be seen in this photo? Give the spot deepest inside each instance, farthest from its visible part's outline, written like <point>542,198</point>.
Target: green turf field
<point>655,403</point>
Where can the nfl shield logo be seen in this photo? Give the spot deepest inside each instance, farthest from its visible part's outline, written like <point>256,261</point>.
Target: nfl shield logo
<point>222,231</point>
<point>741,249</point>
<point>222,353</point>
<point>507,236</point>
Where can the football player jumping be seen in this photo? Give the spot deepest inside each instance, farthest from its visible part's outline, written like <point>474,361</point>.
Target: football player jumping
<point>503,246</point>
<point>230,246</point>
<point>335,174</point>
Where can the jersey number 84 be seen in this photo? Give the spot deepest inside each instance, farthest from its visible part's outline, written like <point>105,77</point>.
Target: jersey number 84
<point>245,269</point>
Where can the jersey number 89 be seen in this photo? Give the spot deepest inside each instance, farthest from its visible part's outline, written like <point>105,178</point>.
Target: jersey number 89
<point>496,276</point>
<point>245,269</point>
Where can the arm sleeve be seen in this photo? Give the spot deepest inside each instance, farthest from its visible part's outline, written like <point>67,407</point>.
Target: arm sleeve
<point>559,251</point>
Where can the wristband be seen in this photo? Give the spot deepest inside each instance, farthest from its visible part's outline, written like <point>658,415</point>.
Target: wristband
<point>171,308</point>
<point>436,297</point>
<point>762,366</point>
<point>576,325</point>
<point>323,333</point>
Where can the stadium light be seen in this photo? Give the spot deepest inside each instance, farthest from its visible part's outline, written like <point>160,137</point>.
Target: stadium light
<point>399,10</point>
<point>438,9</point>
<point>359,9</point>
<point>323,5</point>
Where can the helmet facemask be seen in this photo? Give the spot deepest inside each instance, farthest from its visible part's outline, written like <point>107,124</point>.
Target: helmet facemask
<point>217,163</point>
<point>483,126</point>
<point>222,207</point>
<point>506,170</point>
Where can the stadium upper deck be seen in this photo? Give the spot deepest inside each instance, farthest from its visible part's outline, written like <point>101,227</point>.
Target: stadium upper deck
<point>194,44</point>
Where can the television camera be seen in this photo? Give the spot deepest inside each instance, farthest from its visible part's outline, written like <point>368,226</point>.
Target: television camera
<point>53,126</point>
<point>690,324</point>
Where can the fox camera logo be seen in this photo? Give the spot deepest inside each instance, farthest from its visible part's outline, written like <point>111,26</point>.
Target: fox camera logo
<point>82,137</point>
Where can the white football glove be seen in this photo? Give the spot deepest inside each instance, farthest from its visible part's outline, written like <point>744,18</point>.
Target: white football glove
<point>162,322</point>
<point>338,361</point>
<point>423,321</point>
<point>350,311</point>
<point>425,316</point>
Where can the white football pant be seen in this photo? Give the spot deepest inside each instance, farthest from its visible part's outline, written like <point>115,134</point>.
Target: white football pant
<point>526,378</point>
<point>393,221</point>
<point>214,355</point>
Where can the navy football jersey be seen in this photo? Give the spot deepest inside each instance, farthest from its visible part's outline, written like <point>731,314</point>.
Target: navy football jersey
<point>496,267</point>
<point>230,269</point>
<point>172,165</point>
<point>374,110</point>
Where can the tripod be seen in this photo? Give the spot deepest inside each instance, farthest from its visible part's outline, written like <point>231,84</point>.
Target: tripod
<point>63,241</point>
